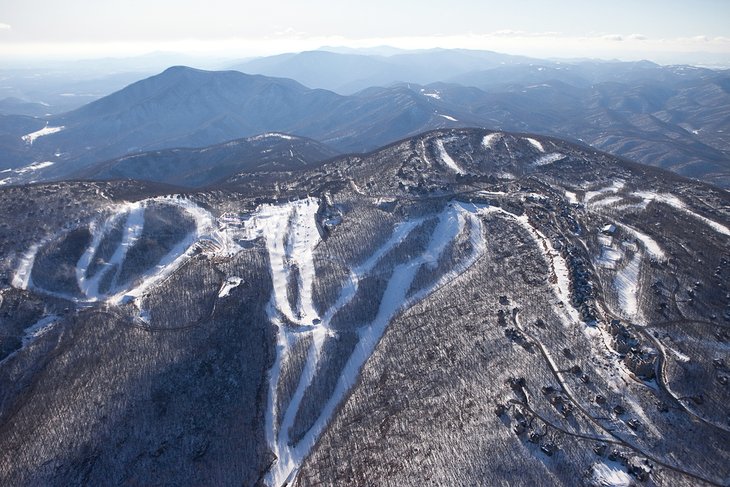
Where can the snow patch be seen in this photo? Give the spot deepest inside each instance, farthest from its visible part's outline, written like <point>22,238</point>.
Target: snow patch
<point>434,94</point>
<point>270,135</point>
<point>33,167</point>
<point>609,200</point>
<point>229,284</point>
<point>571,197</point>
<point>548,159</point>
<point>36,166</point>
<point>446,158</point>
<point>610,476</point>
<point>39,328</point>
<point>448,117</point>
<point>613,188</point>
<point>490,139</point>
<point>21,278</point>
<point>535,143</point>
<point>31,137</point>
<point>609,257</point>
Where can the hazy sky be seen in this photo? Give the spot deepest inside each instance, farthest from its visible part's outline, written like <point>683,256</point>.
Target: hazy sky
<point>663,30</point>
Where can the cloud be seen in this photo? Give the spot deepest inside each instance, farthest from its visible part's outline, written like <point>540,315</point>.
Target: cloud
<point>521,33</point>
<point>4,26</point>
<point>637,37</point>
<point>613,37</point>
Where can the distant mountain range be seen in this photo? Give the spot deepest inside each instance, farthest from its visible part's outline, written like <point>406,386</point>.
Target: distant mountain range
<point>674,117</point>
<point>348,73</point>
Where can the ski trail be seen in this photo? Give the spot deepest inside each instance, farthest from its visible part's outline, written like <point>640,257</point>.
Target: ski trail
<point>22,277</point>
<point>613,188</point>
<point>451,223</point>
<point>558,266</point>
<point>651,246</point>
<point>626,283</point>
<point>674,202</point>
<point>546,159</point>
<point>82,266</point>
<point>535,143</point>
<point>446,158</point>
<point>278,437</point>
<point>134,218</point>
<point>291,235</point>
<point>490,139</point>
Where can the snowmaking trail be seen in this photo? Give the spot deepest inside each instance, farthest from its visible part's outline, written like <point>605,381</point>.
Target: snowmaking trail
<point>299,217</point>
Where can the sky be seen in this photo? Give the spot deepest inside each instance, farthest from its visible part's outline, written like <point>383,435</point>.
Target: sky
<point>666,31</point>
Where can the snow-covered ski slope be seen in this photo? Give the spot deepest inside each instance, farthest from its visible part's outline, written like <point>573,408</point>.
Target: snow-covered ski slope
<point>98,277</point>
<point>291,236</point>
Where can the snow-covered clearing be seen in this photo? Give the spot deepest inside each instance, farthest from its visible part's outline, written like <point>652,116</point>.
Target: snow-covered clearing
<point>673,201</point>
<point>609,200</point>
<point>434,94</point>
<point>229,284</point>
<point>609,257</point>
<point>271,135</point>
<point>610,476</point>
<point>613,188</point>
<point>30,333</point>
<point>491,193</point>
<point>535,143</point>
<point>38,328</point>
<point>548,159</point>
<point>572,197</point>
<point>446,158</point>
<point>490,139</point>
<point>31,137</point>
<point>14,173</point>
<point>454,219</point>
<point>33,167</point>
<point>21,278</point>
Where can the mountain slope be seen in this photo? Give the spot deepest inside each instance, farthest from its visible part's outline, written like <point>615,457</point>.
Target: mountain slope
<point>462,307</point>
<point>184,107</point>
<point>202,167</point>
